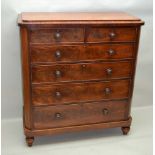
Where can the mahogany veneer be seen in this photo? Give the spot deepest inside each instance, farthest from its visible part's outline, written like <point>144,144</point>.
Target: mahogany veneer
<point>78,71</point>
<point>87,71</point>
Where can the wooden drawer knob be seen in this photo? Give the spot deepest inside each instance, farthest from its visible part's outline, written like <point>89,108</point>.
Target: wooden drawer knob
<point>109,71</point>
<point>111,52</point>
<point>58,115</point>
<point>58,54</point>
<point>58,73</point>
<point>105,111</point>
<point>107,91</point>
<point>83,66</point>
<point>57,35</point>
<point>112,35</point>
<point>58,94</point>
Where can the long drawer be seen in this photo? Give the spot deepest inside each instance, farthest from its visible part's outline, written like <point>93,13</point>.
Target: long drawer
<point>74,53</point>
<point>79,92</point>
<point>79,114</point>
<point>81,72</point>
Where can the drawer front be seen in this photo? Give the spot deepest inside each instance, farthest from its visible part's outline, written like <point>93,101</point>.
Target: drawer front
<point>57,35</point>
<point>111,34</point>
<point>80,72</point>
<point>81,53</point>
<point>79,92</point>
<point>79,114</point>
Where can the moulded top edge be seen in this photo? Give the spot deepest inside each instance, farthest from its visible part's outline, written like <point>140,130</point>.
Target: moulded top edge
<point>54,17</point>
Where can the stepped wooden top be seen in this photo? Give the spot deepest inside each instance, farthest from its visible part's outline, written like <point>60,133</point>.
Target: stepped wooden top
<point>83,17</point>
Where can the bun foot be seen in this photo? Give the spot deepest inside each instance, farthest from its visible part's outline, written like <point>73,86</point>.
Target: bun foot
<point>29,141</point>
<point>125,130</point>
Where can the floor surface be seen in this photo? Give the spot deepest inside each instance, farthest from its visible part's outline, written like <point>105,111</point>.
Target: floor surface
<point>101,142</point>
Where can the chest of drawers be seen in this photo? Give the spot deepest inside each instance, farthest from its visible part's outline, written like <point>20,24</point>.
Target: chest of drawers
<point>78,71</point>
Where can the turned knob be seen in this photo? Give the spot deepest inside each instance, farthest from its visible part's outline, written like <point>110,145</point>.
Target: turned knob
<point>109,71</point>
<point>58,73</point>
<point>83,66</point>
<point>57,35</point>
<point>111,52</point>
<point>105,111</point>
<point>58,94</point>
<point>112,35</point>
<point>58,116</point>
<point>107,91</point>
<point>58,54</point>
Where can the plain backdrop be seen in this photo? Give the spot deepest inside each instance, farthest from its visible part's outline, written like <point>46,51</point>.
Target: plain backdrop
<point>11,63</point>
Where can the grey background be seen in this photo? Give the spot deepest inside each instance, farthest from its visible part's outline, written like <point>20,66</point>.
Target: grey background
<point>11,63</point>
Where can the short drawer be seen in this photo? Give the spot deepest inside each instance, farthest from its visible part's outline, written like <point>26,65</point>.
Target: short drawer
<point>81,72</point>
<point>79,92</point>
<point>51,54</point>
<point>111,34</point>
<point>79,114</point>
<point>58,35</point>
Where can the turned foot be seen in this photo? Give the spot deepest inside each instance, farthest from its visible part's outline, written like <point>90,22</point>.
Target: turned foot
<point>29,141</point>
<point>125,130</point>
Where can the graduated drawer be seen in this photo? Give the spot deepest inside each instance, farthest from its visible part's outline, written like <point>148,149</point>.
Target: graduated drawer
<point>81,72</point>
<point>111,34</point>
<point>57,35</point>
<point>79,114</point>
<point>55,53</point>
<point>79,92</point>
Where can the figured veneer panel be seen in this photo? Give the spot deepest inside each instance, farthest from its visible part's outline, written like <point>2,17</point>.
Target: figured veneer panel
<point>79,114</point>
<point>76,53</point>
<point>87,71</point>
<point>111,34</point>
<point>58,35</point>
<point>79,92</point>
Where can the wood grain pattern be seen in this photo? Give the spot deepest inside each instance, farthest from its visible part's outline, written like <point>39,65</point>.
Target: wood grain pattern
<point>79,114</point>
<point>105,34</point>
<point>77,128</point>
<point>76,53</point>
<point>57,35</point>
<point>68,35</point>
<point>87,71</point>
<point>26,72</point>
<point>79,92</point>
<point>134,67</point>
<point>68,16</point>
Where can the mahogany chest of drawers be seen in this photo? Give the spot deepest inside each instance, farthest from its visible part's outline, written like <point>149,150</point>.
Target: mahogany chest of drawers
<point>78,71</point>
